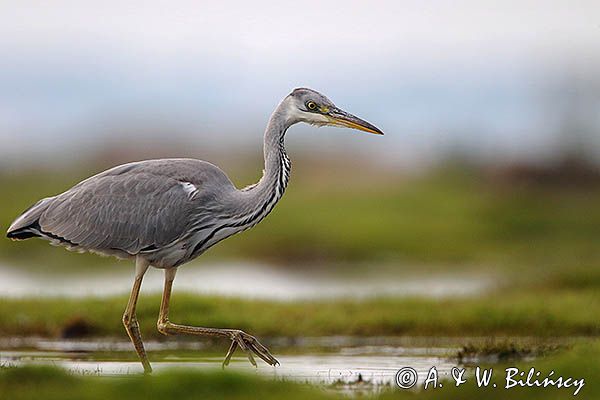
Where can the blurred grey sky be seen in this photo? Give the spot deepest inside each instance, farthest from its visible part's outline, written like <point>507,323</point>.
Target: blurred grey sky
<point>496,79</point>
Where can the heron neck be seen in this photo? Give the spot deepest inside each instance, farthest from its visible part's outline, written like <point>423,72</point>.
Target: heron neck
<point>274,149</point>
<point>270,188</point>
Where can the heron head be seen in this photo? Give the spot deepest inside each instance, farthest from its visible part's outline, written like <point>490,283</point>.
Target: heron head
<point>312,107</point>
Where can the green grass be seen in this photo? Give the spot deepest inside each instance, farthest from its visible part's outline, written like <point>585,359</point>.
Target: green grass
<point>46,383</point>
<point>50,384</point>
<point>533,312</point>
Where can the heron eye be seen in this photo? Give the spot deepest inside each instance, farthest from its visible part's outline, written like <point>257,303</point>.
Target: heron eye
<point>311,105</point>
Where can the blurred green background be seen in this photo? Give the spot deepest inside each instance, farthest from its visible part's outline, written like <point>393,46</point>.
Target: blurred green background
<point>532,231</point>
<point>537,221</point>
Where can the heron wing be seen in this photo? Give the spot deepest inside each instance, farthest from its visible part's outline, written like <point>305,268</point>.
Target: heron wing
<point>132,208</point>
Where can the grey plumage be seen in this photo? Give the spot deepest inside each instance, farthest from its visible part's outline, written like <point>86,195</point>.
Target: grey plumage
<point>166,212</point>
<point>131,209</point>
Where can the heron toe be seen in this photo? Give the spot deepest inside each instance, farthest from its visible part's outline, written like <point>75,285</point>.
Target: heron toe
<point>251,346</point>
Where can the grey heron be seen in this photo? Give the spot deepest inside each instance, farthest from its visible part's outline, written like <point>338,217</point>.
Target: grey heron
<point>164,213</point>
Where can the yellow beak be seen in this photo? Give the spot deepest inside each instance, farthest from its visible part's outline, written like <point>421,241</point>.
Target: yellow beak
<point>339,117</point>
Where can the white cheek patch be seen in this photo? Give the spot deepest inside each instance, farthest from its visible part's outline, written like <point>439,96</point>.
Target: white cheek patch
<point>189,188</point>
<point>292,110</point>
<point>319,119</point>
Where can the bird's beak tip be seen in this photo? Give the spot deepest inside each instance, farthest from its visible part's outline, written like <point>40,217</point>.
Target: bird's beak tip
<point>350,121</point>
<point>378,133</point>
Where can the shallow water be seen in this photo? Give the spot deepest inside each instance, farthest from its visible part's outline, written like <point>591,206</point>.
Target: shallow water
<point>375,364</point>
<point>246,281</point>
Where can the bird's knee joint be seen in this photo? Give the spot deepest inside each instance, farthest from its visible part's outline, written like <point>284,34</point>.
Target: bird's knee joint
<point>163,327</point>
<point>128,320</point>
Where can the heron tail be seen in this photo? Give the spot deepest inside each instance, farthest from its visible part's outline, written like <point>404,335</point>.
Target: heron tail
<point>26,225</point>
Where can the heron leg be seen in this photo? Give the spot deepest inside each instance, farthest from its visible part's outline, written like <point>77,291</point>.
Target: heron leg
<point>238,338</point>
<point>129,318</point>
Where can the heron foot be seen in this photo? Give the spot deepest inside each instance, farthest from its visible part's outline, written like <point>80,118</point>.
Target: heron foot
<point>250,345</point>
